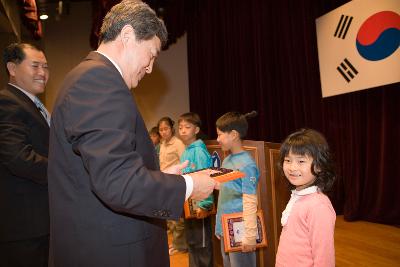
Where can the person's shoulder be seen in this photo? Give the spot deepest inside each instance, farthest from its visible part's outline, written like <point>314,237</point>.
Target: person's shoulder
<point>5,94</point>
<point>3,90</point>
<point>201,149</point>
<point>318,202</point>
<point>227,158</point>
<point>243,156</point>
<point>198,145</point>
<point>248,157</point>
<point>176,141</point>
<point>12,97</point>
<point>94,64</point>
<point>320,197</point>
<point>199,142</point>
<point>8,104</point>
<point>94,76</point>
<point>246,160</point>
<point>10,92</point>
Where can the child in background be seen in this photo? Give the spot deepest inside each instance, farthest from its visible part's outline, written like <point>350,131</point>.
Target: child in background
<point>155,138</point>
<point>239,195</point>
<point>198,231</point>
<point>307,237</point>
<point>171,149</point>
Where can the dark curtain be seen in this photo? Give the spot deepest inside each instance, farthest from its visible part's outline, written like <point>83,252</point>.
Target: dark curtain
<point>262,55</point>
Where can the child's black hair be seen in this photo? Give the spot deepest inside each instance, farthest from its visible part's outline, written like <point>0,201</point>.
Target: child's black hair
<point>311,143</point>
<point>235,121</point>
<point>154,130</point>
<point>191,117</point>
<point>167,120</point>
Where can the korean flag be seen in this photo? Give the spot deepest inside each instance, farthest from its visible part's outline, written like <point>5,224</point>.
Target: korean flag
<point>358,46</point>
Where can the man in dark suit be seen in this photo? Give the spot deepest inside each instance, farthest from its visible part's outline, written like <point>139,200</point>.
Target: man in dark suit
<point>24,140</point>
<point>108,199</point>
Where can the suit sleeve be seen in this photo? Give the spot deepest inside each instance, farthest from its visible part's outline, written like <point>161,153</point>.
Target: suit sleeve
<point>103,127</point>
<point>17,153</point>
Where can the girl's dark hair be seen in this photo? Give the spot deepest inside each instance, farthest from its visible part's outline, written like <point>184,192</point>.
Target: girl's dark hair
<point>167,120</point>
<point>235,121</point>
<point>311,143</point>
<point>191,117</point>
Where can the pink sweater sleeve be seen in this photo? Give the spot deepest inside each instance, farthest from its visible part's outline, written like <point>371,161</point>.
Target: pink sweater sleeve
<point>322,226</point>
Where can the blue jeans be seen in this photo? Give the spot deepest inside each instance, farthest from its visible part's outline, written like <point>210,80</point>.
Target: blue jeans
<point>237,259</point>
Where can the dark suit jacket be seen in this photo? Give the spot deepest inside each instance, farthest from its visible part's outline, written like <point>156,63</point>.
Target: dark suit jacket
<point>24,136</point>
<point>108,201</point>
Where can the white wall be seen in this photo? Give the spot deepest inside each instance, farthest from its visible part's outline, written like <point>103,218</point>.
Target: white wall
<point>66,43</point>
<point>165,92</point>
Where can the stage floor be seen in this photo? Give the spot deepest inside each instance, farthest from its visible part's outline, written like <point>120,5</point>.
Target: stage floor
<point>357,244</point>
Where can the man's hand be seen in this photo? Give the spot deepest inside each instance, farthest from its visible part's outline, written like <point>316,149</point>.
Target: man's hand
<point>176,169</point>
<point>203,185</point>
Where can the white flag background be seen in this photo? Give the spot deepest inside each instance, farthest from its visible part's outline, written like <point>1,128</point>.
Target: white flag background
<point>344,68</point>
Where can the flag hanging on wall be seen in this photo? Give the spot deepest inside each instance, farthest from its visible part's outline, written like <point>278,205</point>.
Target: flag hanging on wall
<point>358,46</point>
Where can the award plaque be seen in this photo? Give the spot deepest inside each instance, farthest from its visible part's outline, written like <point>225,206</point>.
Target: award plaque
<point>221,175</point>
<point>233,227</point>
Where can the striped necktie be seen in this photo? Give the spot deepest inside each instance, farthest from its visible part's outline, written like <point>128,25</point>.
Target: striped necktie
<point>42,110</point>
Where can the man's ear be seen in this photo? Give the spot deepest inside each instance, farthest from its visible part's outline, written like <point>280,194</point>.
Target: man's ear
<point>127,32</point>
<point>11,68</point>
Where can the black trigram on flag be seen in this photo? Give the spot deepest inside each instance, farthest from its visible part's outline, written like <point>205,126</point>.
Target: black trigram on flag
<point>347,70</point>
<point>343,26</point>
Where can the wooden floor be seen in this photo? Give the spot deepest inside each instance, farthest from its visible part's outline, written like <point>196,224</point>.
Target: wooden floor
<point>357,244</point>
<point>366,244</point>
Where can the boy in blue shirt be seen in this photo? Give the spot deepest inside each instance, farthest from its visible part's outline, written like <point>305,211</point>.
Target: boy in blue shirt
<point>239,195</point>
<point>198,230</point>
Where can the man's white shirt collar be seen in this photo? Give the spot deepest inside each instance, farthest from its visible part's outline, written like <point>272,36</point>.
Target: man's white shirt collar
<point>112,61</point>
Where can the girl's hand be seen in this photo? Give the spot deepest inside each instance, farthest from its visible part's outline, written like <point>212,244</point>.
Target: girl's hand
<point>200,213</point>
<point>248,248</point>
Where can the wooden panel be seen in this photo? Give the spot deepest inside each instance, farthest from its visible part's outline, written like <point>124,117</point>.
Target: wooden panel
<point>277,195</point>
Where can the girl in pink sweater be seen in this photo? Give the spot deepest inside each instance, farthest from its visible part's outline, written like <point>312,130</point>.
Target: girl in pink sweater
<point>307,237</point>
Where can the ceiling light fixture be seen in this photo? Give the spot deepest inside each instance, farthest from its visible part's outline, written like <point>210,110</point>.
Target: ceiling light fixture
<point>43,17</point>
